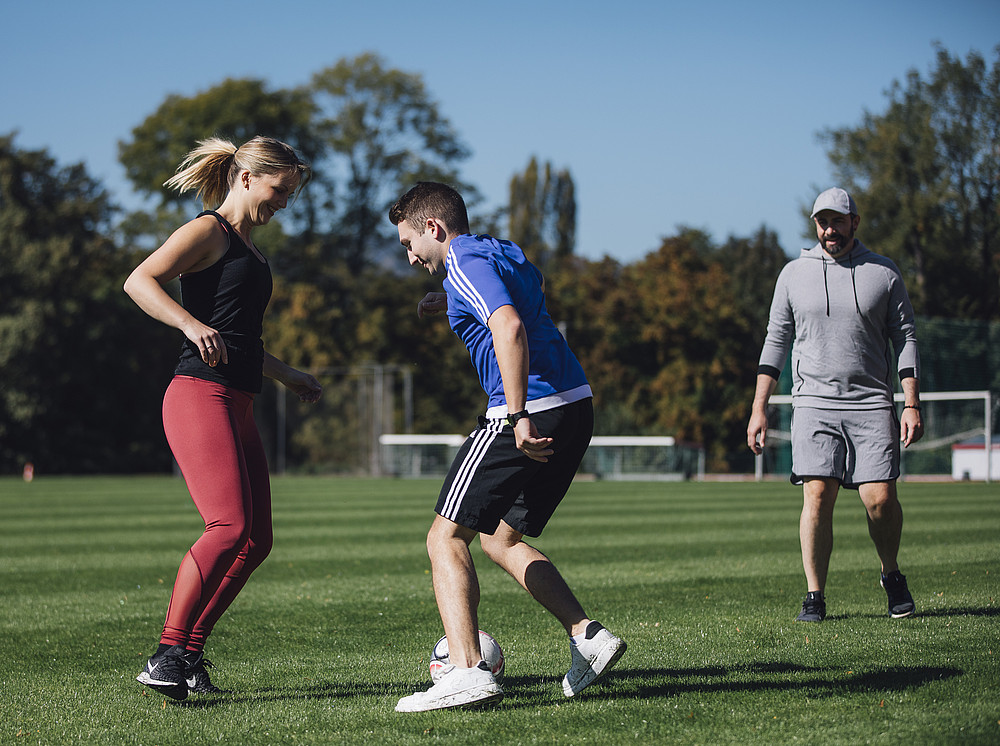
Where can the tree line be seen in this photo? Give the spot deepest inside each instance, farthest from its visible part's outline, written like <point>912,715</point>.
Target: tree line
<point>669,341</point>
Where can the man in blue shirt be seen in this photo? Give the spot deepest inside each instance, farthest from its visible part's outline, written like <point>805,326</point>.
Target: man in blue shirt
<point>511,473</point>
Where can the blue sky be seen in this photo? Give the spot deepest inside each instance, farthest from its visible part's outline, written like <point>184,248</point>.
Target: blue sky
<point>702,114</point>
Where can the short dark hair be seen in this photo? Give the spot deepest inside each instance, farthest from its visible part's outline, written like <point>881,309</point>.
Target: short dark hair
<point>430,199</point>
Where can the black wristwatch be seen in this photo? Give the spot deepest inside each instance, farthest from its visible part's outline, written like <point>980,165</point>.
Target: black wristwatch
<point>512,419</point>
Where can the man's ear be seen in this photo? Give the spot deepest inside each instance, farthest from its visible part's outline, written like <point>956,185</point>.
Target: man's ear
<point>436,229</point>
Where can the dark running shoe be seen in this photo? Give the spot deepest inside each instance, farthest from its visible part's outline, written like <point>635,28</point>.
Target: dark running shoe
<point>164,673</point>
<point>196,673</point>
<point>813,608</point>
<point>900,601</point>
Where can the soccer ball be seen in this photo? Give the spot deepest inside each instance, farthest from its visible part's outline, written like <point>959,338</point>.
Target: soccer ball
<point>490,648</point>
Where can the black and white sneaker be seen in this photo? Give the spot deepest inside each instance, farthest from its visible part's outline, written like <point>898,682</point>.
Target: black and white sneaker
<point>813,608</point>
<point>591,656</point>
<point>900,601</point>
<point>164,673</point>
<point>196,673</point>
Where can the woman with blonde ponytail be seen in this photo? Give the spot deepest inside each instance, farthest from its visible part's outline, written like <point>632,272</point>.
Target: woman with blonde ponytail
<point>208,406</point>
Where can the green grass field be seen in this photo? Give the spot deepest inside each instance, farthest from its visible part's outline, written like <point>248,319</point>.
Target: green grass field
<point>702,580</point>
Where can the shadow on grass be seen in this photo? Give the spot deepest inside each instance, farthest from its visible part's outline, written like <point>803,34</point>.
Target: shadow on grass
<point>621,684</point>
<point>988,611</point>
<point>777,676</point>
<point>961,611</point>
<point>338,690</point>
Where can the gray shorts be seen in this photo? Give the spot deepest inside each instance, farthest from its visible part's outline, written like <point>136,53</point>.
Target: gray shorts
<point>854,446</point>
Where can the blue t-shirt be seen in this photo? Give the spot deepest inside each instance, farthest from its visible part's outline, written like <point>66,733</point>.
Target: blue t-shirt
<point>484,274</point>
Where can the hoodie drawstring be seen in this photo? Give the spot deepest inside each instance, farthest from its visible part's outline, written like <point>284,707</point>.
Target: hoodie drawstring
<point>826,288</point>
<point>854,284</point>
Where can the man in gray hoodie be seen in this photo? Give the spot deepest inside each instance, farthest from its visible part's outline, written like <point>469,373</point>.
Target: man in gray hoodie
<point>836,308</point>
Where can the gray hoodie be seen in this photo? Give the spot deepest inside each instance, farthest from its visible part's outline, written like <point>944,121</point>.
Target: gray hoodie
<point>841,315</point>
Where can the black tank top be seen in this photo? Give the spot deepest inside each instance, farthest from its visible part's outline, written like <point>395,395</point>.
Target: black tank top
<point>230,296</point>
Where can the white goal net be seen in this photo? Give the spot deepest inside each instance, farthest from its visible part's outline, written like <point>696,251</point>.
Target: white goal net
<point>957,442</point>
<point>624,458</point>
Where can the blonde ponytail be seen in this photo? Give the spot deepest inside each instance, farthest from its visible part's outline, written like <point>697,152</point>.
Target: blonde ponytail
<point>214,165</point>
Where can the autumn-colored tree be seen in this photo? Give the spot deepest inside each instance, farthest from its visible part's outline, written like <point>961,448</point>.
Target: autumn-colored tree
<point>664,342</point>
<point>695,357</point>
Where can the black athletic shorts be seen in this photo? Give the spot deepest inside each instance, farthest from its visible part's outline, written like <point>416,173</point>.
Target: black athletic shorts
<point>490,480</point>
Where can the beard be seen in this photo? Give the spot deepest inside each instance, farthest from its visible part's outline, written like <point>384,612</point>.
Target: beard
<point>841,245</point>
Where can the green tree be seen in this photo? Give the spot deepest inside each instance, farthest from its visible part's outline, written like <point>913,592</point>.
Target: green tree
<point>542,213</point>
<point>82,376</point>
<point>926,176</point>
<point>386,133</point>
<point>369,132</point>
<point>753,265</point>
<point>236,109</point>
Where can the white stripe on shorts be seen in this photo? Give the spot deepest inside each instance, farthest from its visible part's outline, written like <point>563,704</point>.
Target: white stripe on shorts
<point>482,439</point>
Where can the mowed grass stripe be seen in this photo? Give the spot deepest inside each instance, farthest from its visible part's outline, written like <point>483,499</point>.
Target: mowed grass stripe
<point>703,580</point>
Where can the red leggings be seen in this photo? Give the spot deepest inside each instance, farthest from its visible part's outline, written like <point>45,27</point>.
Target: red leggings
<point>213,436</point>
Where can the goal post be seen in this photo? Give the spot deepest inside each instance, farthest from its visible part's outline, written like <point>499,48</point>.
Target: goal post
<point>610,457</point>
<point>950,418</point>
<point>643,458</point>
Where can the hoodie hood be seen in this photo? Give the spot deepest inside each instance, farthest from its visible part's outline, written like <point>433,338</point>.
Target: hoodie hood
<point>854,255</point>
<point>849,259</point>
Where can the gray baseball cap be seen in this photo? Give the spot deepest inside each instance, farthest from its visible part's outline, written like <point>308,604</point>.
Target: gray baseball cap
<point>835,199</point>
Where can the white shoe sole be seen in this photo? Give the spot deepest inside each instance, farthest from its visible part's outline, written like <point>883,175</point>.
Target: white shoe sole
<point>169,688</point>
<point>475,697</point>
<point>604,662</point>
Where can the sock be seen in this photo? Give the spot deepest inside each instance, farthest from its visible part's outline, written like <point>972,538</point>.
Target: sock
<point>592,629</point>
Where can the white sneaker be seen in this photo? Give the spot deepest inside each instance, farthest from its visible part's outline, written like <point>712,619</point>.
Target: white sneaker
<point>591,658</point>
<point>455,687</point>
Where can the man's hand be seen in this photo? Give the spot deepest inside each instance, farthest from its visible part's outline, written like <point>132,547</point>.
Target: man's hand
<point>757,432</point>
<point>432,303</point>
<point>530,443</point>
<point>911,426</point>
<point>757,427</point>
